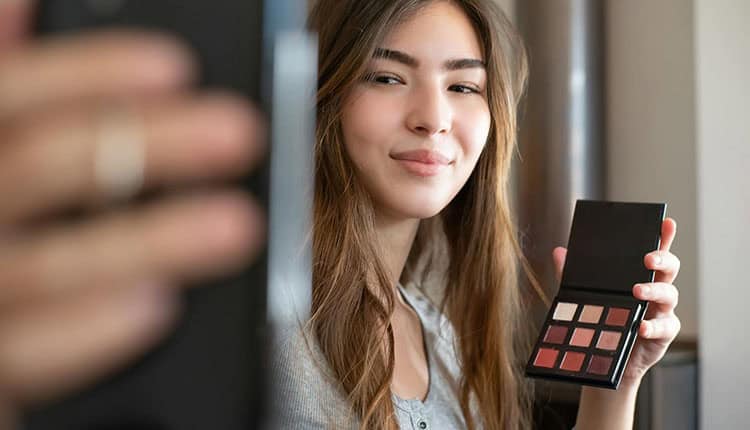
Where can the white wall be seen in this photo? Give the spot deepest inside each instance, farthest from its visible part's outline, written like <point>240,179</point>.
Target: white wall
<point>650,102</point>
<point>722,60</point>
<point>678,129</point>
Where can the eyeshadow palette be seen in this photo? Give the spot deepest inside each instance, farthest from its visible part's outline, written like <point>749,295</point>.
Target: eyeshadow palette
<point>593,322</point>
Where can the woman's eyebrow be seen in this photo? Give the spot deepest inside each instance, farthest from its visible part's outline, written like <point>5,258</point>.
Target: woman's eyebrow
<point>401,57</point>
<point>464,63</point>
<point>404,58</point>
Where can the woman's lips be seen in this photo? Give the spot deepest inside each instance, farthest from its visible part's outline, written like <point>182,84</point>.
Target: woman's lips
<point>422,162</point>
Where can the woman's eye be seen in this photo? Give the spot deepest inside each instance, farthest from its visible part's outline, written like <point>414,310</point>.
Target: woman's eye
<point>388,80</point>
<point>464,89</point>
<point>383,79</point>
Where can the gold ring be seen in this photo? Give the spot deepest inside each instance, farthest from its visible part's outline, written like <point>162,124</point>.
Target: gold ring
<point>119,154</point>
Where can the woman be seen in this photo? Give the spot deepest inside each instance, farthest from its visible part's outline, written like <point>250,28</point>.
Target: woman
<point>418,319</point>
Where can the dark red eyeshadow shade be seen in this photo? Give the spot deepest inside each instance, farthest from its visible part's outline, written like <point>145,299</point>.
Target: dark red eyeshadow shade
<point>546,357</point>
<point>555,334</point>
<point>572,361</point>
<point>599,365</point>
<point>617,316</point>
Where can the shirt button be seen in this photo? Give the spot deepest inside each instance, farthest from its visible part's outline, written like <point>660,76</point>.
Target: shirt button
<point>422,424</point>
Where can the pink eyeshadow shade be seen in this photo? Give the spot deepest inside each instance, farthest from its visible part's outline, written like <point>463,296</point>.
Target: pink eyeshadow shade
<point>572,361</point>
<point>617,316</point>
<point>555,334</point>
<point>599,365</point>
<point>608,340</point>
<point>546,357</point>
<point>582,337</point>
<point>591,314</point>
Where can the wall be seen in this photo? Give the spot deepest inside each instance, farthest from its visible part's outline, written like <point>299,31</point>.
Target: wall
<point>679,130</point>
<point>722,64</point>
<point>650,122</point>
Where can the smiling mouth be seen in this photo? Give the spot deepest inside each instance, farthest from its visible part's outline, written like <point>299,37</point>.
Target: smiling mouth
<point>422,162</point>
<point>424,156</point>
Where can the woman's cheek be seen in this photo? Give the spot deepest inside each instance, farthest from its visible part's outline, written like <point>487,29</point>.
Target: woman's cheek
<point>474,129</point>
<point>371,114</point>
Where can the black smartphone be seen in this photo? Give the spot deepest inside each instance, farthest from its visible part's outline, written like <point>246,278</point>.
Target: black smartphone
<point>210,372</point>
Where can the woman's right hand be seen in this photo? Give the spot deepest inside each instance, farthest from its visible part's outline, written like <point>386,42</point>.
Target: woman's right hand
<point>78,298</point>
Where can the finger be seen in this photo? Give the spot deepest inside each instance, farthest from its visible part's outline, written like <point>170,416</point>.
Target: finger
<point>558,258</point>
<point>668,232</point>
<point>665,264</point>
<point>50,347</point>
<point>111,64</point>
<point>49,161</point>
<point>664,296</point>
<point>665,328</point>
<point>180,239</point>
<point>14,23</point>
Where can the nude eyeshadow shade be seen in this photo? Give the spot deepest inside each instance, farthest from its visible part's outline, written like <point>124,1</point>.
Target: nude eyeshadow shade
<point>593,322</point>
<point>591,314</point>
<point>608,340</point>
<point>565,311</point>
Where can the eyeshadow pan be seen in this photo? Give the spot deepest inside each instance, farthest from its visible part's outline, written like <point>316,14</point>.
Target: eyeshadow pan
<point>608,340</point>
<point>591,314</point>
<point>565,311</point>
<point>617,316</point>
<point>599,365</point>
<point>582,337</point>
<point>572,361</point>
<point>555,334</point>
<point>546,357</point>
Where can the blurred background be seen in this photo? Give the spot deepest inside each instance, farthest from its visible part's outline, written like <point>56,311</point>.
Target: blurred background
<point>644,100</point>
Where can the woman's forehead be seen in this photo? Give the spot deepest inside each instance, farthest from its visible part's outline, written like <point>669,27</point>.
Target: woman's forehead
<point>435,33</point>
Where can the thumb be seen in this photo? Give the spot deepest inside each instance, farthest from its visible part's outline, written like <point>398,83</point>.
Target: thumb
<point>15,22</point>
<point>558,257</point>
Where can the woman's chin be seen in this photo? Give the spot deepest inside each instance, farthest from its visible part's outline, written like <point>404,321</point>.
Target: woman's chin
<point>418,209</point>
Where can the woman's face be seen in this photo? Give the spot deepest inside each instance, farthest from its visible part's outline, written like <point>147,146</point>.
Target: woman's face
<point>415,128</point>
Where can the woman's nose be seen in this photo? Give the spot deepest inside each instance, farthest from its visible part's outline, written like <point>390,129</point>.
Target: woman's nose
<point>430,113</point>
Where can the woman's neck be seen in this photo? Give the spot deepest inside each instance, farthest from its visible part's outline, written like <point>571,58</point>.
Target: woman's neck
<point>396,236</point>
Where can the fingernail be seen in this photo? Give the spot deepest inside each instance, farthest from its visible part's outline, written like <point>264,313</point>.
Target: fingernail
<point>13,22</point>
<point>8,3</point>
<point>648,329</point>
<point>645,290</point>
<point>167,62</point>
<point>232,126</point>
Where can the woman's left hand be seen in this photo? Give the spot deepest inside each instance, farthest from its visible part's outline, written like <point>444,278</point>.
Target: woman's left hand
<point>660,326</point>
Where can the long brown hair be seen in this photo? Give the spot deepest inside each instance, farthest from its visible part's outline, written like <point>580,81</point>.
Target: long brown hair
<point>353,298</point>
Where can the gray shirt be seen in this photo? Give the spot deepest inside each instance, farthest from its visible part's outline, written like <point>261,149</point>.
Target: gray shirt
<point>307,396</point>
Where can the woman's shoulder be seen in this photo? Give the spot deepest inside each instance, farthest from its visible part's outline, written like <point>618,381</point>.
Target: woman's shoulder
<point>304,391</point>
<point>296,357</point>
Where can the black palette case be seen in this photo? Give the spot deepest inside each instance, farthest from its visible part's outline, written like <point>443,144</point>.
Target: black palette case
<point>593,323</point>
